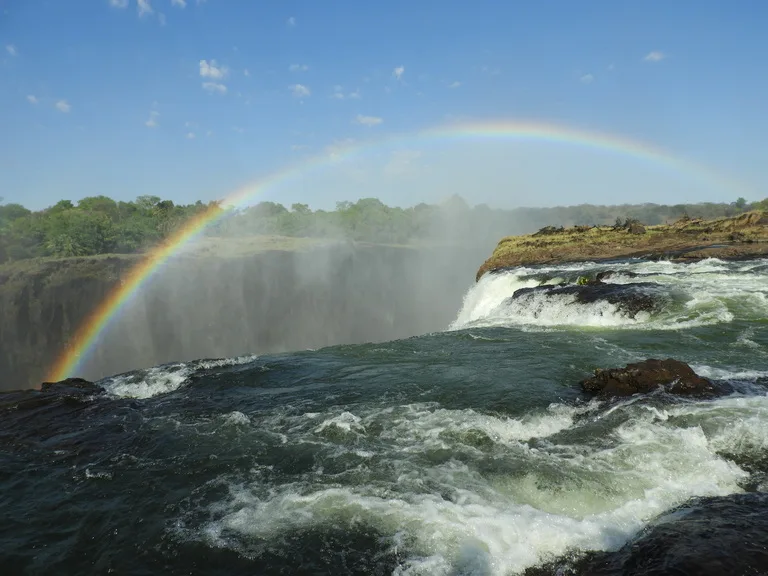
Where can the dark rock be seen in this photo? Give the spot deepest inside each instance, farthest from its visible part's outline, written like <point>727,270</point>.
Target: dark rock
<point>706,537</point>
<point>642,377</point>
<point>71,385</point>
<point>636,228</point>
<point>549,230</point>
<point>629,298</point>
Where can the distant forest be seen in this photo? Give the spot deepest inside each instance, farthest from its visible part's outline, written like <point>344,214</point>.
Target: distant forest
<point>100,225</point>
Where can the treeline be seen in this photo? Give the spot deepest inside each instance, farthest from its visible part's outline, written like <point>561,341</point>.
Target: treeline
<point>101,225</point>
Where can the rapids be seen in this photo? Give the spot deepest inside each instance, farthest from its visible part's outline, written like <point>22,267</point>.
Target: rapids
<point>469,451</point>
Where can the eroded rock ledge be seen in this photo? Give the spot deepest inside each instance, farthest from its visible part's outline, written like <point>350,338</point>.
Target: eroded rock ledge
<point>739,237</point>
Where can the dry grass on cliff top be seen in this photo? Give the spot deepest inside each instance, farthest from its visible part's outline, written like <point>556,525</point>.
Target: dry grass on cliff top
<point>604,242</point>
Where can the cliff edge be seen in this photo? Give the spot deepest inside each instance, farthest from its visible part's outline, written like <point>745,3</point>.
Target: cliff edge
<point>688,239</point>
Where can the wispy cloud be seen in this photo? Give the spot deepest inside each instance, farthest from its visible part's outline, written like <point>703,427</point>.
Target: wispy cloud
<point>246,72</point>
<point>212,70</point>
<point>298,147</point>
<point>190,135</point>
<point>63,106</point>
<point>298,67</point>
<point>587,79</point>
<point>11,49</point>
<point>291,21</point>
<point>179,3</point>
<point>611,67</point>
<point>215,87</point>
<point>398,72</point>
<point>300,91</point>
<point>368,120</point>
<point>118,3</point>
<point>144,7</point>
<point>338,93</point>
<point>32,99</point>
<point>152,122</point>
<point>161,19</point>
<point>655,56</point>
<point>455,84</point>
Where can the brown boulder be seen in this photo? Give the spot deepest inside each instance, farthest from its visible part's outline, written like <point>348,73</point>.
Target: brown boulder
<point>642,377</point>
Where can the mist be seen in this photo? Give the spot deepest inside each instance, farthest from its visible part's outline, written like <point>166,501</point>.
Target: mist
<point>256,294</point>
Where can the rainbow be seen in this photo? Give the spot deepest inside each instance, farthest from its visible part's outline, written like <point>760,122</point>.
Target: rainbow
<point>87,335</point>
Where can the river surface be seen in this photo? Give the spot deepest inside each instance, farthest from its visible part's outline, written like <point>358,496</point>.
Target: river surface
<point>468,451</point>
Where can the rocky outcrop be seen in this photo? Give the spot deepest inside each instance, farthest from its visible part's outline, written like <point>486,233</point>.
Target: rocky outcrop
<point>705,537</point>
<point>629,298</point>
<point>673,376</point>
<point>739,237</point>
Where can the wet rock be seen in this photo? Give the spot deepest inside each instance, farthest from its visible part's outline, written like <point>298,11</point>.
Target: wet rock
<point>706,537</point>
<point>71,385</point>
<point>642,377</point>
<point>629,298</point>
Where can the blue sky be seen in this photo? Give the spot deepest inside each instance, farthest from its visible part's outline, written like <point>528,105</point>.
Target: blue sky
<point>192,99</point>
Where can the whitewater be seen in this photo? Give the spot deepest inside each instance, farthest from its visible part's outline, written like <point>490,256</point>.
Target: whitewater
<point>468,451</point>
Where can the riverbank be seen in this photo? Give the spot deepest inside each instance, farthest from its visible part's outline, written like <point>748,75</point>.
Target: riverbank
<point>739,237</point>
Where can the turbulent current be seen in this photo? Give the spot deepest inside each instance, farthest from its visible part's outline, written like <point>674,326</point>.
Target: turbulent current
<point>469,451</point>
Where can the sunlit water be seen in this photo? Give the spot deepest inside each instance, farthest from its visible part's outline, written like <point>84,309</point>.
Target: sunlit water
<point>470,451</point>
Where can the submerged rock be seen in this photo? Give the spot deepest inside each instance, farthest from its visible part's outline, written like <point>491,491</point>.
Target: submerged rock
<point>674,376</point>
<point>629,298</point>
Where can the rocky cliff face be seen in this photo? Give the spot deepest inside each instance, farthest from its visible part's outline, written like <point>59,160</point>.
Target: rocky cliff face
<point>200,307</point>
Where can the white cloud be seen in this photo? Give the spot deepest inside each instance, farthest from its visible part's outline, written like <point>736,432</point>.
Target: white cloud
<point>246,72</point>
<point>212,70</point>
<point>611,67</point>
<point>119,3</point>
<point>215,87</point>
<point>398,72</point>
<point>298,67</point>
<point>587,79</point>
<point>655,56</point>
<point>298,147</point>
<point>11,49</point>
<point>291,21</point>
<point>368,120</point>
<point>63,106</point>
<point>179,3</point>
<point>338,93</point>
<point>455,84</point>
<point>299,90</point>
<point>190,135</point>
<point>238,129</point>
<point>161,19</point>
<point>32,99</point>
<point>144,7</point>
<point>152,122</point>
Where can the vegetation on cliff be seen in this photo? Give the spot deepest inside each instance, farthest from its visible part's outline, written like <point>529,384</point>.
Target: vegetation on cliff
<point>101,225</point>
<point>688,238</point>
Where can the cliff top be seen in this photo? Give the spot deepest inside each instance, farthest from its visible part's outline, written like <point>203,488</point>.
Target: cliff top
<point>742,236</point>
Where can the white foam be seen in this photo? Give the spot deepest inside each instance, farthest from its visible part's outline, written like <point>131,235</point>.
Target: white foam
<point>708,292</point>
<point>550,497</point>
<point>147,383</point>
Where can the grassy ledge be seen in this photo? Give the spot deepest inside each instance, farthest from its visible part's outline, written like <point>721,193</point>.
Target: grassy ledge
<point>738,237</point>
